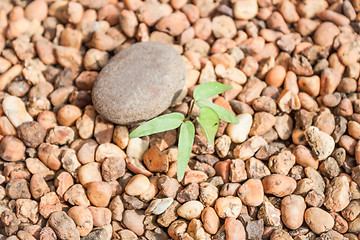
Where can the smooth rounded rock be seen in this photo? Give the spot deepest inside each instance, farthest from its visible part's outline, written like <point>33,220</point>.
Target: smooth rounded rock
<point>148,72</point>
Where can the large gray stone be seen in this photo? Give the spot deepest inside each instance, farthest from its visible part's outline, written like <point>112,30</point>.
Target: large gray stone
<point>139,83</point>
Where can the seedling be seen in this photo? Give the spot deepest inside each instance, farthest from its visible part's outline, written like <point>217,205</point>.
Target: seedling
<point>208,120</point>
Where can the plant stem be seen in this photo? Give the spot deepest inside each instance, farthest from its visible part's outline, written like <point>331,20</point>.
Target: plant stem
<point>190,110</point>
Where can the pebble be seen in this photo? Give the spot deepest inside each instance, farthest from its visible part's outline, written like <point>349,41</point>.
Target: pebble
<point>67,115</point>
<point>101,216</point>
<point>210,220</point>
<point>60,135</point>
<point>239,132</point>
<point>31,133</point>
<point>14,109</point>
<point>292,211</point>
<point>108,80</point>
<point>12,149</point>
<point>155,160</point>
<point>223,27</point>
<point>279,185</point>
<point>276,76</point>
<point>38,186</point>
<point>137,185</point>
<point>136,148</point>
<point>63,225</point>
<point>82,218</point>
<point>18,188</point>
<point>89,172</point>
<point>269,214</point>
<point>99,193</point>
<point>133,220</point>
<point>229,206</point>
<point>251,192</point>
<point>321,143</point>
<point>337,194</point>
<point>159,206</point>
<point>76,195</point>
<point>312,218</point>
<point>49,203</point>
<point>246,9</point>
<point>190,210</point>
<point>234,229</point>
<point>113,168</point>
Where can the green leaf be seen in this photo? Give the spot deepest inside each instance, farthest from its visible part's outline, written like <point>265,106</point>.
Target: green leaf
<point>221,112</point>
<point>186,140</point>
<point>206,90</point>
<point>209,122</point>
<point>159,124</point>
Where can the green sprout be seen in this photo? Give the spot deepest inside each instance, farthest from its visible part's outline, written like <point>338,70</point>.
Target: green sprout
<point>208,120</point>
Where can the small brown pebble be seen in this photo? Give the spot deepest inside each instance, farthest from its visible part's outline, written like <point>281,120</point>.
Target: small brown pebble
<point>68,115</point>
<point>251,192</point>
<point>99,193</point>
<point>276,76</point>
<point>12,149</point>
<point>63,225</point>
<point>31,133</point>
<point>82,218</point>
<point>279,185</point>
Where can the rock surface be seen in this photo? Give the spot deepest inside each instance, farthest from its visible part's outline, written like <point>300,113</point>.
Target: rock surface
<point>140,73</point>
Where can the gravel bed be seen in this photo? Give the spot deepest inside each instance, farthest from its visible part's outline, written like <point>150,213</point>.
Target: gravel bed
<point>289,170</point>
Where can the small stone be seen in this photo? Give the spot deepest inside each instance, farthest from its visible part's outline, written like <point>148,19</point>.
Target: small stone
<point>208,194</point>
<point>133,220</point>
<point>31,133</point>
<point>228,207</point>
<point>137,185</point>
<point>106,87</point>
<point>251,192</point>
<point>337,194</point>
<point>38,186</point>
<point>14,109</point>
<point>107,150</point>
<point>282,163</point>
<point>76,196</point>
<point>159,206</point>
<point>99,193</point>
<point>89,172</point>
<point>321,143</point>
<point>223,27</point>
<point>50,155</point>
<point>60,135</point>
<point>12,149</point>
<point>49,203</point>
<point>239,132</point>
<point>36,10</point>
<point>83,219</point>
<point>269,214</point>
<point>211,221</point>
<point>196,231</point>
<point>292,211</point>
<point>121,136</point>
<point>190,210</point>
<point>279,185</point>
<point>245,9</point>
<point>67,115</point>
<point>47,233</point>
<point>63,225</point>
<point>155,160</point>
<point>190,192</point>
<point>101,216</point>
<point>18,188</point>
<point>318,220</point>
<point>137,148</point>
<point>113,168</point>
<point>234,229</point>
<point>63,182</point>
